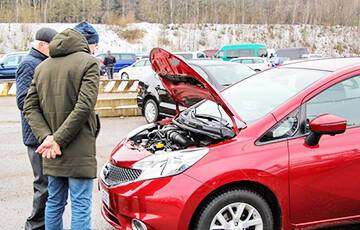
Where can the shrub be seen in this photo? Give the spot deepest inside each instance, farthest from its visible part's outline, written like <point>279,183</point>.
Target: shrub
<point>339,48</point>
<point>120,21</point>
<point>202,42</point>
<point>132,35</point>
<point>163,41</point>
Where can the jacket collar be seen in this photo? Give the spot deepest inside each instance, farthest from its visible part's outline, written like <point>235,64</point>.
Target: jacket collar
<point>37,54</point>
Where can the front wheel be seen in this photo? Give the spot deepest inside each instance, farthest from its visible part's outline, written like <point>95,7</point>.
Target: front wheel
<point>151,111</point>
<point>124,76</point>
<point>236,209</point>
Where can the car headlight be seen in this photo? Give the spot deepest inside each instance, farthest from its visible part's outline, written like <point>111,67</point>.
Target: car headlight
<point>168,163</point>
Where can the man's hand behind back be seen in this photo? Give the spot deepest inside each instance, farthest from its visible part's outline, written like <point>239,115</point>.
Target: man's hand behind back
<point>49,148</point>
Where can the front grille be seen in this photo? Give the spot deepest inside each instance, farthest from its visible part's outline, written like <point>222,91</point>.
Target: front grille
<point>113,175</point>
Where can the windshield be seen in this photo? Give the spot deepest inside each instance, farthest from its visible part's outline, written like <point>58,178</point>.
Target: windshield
<point>185,55</point>
<point>229,74</point>
<point>257,96</point>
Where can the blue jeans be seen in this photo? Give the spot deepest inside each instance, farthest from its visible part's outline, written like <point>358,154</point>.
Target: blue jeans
<point>81,199</point>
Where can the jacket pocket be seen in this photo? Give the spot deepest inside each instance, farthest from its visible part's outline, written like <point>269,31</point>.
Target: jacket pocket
<point>94,123</point>
<point>98,125</point>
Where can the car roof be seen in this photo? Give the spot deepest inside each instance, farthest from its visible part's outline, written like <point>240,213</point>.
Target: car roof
<point>206,62</point>
<point>248,58</point>
<point>18,53</point>
<point>327,64</point>
<point>114,53</point>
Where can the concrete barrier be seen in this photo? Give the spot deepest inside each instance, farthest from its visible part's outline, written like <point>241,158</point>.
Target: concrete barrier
<point>118,86</point>
<point>115,105</point>
<point>8,88</point>
<point>116,97</point>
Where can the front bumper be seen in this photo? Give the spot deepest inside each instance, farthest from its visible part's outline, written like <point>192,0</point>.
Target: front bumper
<point>164,203</point>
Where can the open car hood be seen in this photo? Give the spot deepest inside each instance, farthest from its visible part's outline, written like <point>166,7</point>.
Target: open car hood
<point>183,83</point>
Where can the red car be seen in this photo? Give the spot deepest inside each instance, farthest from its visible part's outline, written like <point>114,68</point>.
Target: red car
<point>278,150</point>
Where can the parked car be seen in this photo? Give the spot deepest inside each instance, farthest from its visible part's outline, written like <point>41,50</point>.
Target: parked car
<point>210,53</point>
<point>122,60</point>
<point>9,64</point>
<point>191,55</point>
<point>312,56</point>
<point>139,70</point>
<point>277,61</point>
<point>278,150</point>
<point>292,53</point>
<point>228,52</point>
<point>142,55</point>
<point>155,102</point>
<point>255,63</point>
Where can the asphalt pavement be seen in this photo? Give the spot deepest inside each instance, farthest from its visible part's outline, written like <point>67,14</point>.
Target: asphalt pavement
<point>16,174</point>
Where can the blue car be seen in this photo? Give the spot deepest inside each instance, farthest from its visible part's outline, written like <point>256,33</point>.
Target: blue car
<point>9,64</point>
<point>122,60</point>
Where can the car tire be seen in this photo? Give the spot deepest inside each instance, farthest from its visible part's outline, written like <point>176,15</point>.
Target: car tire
<point>151,111</point>
<point>218,209</point>
<point>124,76</point>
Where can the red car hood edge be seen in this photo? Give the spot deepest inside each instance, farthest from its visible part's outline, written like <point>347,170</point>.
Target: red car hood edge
<point>189,84</point>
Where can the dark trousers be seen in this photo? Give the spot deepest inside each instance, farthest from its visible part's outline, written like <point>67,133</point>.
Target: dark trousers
<point>110,72</point>
<point>36,220</point>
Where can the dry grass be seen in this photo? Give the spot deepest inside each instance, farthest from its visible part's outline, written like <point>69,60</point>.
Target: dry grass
<point>132,35</point>
<point>120,21</point>
<point>163,41</point>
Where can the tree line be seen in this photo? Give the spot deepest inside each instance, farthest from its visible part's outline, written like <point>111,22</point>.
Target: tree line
<point>321,12</point>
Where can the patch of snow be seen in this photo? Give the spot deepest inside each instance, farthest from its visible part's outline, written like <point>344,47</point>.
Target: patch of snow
<point>326,40</point>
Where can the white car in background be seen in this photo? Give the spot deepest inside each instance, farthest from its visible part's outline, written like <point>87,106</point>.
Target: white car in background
<point>191,55</point>
<point>137,71</point>
<point>255,63</point>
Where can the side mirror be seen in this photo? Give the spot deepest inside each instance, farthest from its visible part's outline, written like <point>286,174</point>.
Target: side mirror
<point>2,65</point>
<point>325,124</point>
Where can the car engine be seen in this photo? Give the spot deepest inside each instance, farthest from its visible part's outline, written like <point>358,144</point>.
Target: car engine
<point>169,138</point>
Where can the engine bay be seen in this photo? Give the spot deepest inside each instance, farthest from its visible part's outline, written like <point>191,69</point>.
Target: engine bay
<point>169,138</point>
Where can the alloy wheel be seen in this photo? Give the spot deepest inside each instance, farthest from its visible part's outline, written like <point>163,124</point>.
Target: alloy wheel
<point>237,216</point>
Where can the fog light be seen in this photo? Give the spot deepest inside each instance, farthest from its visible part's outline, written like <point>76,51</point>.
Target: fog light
<point>138,225</point>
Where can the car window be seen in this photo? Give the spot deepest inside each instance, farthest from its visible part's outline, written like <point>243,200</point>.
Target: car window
<point>240,53</point>
<point>220,54</point>
<point>185,55</point>
<point>102,56</point>
<point>200,71</point>
<point>236,60</point>
<point>285,128</point>
<point>147,62</point>
<point>228,74</point>
<point>247,61</point>
<point>12,60</point>
<point>258,60</point>
<point>262,53</point>
<point>342,99</point>
<point>140,63</point>
<point>200,55</point>
<point>126,57</point>
<point>117,57</point>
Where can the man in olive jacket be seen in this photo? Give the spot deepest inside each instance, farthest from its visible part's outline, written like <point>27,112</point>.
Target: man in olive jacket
<point>59,108</point>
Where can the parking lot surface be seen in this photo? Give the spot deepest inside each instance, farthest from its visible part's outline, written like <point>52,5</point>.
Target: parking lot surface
<point>15,169</point>
<point>16,175</point>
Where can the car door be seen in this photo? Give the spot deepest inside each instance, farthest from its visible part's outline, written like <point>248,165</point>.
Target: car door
<point>325,179</point>
<point>136,69</point>
<point>166,103</point>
